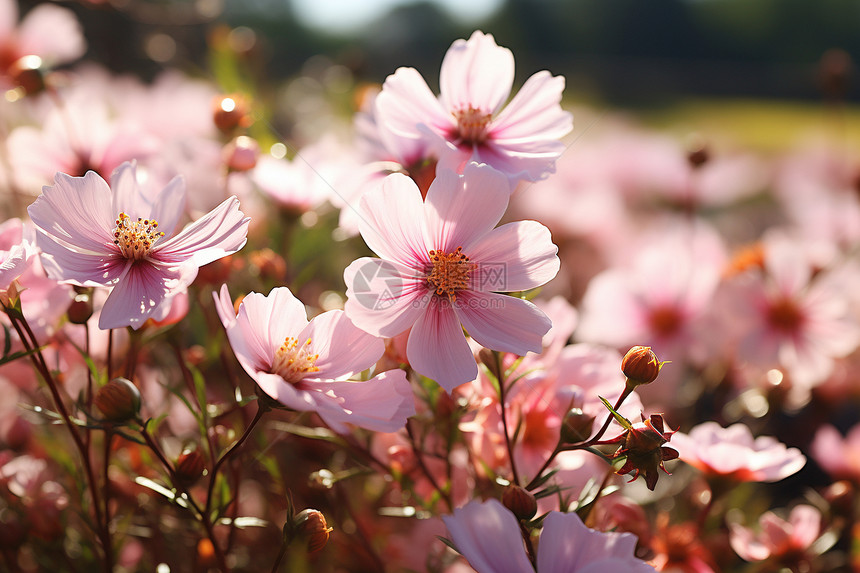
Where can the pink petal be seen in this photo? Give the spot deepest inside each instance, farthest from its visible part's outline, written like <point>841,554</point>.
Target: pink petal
<point>746,545</point>
<point>265,322</point>
<point>8,17</point>
<point>135,297</point>
<point>383,298</point>
<point>503,323</point>
<point>392,222</point>
<point>381,404</point>
<point>62,263</point>
<point>343,348</point>
<point>476,74</point>
<point>488,536</point>
<point>76,212</point>
<point>169,205</point>
<point>286,393</point>
<point>438,349</point>
<point>406,103</point>
<point>523,161</point>
<point>52,33</point>
<point>11,267</point>
<point>566,544</point>
<point>514,257</point>
<point>534,114</point>
<point>127,196</point>
<point>463,209</point>
<point>806,524</point>
<point>219,233</point>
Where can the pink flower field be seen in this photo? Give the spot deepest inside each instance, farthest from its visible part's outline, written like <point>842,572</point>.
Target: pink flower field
<point>466,313</point>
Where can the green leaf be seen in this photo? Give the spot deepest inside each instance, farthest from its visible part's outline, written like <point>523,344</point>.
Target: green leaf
<point>625,423</point>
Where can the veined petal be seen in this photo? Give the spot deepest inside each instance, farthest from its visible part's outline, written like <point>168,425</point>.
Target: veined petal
<point>64,263</point>
<point>530,161</point>
<point>391,221</point>
<point>488,536</point>
<point>127,196</point>
<point>343,348</point>
<point>476,73</point>
<point>514,257</point>
<point>503,323</point>
<point>170,205</point>
<point>253,351</point>
<point>134,298</point>
<point>76,212</point>
<point>219,233</point>
<point>286,393</point>
<point>535,113</point>
<point>383,298</point>
<point>267,321</point>
<point>406,102</point>
<point>381,404</point>
<point>462,209</point>
<point>438,349</point>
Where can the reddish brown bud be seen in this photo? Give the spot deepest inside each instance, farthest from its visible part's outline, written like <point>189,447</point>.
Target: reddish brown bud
<point>522,503</point>
<point>640,365</point>
<point>576,426</point>
<point>118,400</point>
<point>80,309</point>
<point>642,446</point>
<point>269,264</point>
<point>310,526</point>
<point>698,155</point>
<point>28,73</point>
<point>230,112</point>
<point>189,467</point>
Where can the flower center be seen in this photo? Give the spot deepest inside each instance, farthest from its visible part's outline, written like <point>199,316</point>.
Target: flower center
<point>450,272</point>
<point>293,362</point>
<point>665,320</point>
<point>472,125</point>
<point>135,238</point>
<point>784,315</point>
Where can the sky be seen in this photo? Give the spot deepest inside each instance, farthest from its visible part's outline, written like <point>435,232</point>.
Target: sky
<point>347,15</point>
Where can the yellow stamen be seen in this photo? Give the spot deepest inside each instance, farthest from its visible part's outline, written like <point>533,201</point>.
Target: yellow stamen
<point>135,238</point>
<point>293,361</point>
<point>450,272</point>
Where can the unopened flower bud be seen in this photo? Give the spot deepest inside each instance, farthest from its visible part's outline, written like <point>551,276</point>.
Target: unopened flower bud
<point>269,264</point>
<point>118,400</point>
<point>698,155</point>
<point>640,365</point>
<point>81,308</point>
<point>310,526</point>
<point>576,426</point>
<point>521,502</point>
<point>488,359</point>
<point>241,153</point>
<point>28,73</point>
<point>189,467</point>
<point>230,112</point>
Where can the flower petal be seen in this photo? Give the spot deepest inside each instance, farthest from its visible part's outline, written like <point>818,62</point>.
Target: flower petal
<point>381,404</point>
<point>383,298</point>
<point>488,536</point>
<point>392,221</point>
<point>342,347</point>
<point>514,257</point>
<point>535,113</point>
<point>135,297</point>
<point>405,103</point>
<point>76,212</point>
<point>502,323</point>
<point>462,209</point>
<point>438,349</point>
<point>219,233</point>
<point>476,74</point>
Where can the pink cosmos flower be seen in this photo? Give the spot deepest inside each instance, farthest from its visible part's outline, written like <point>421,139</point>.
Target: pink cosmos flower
<point>488,535</point>
<point>790,317</point>
<point>306,365</point>
<point>786,540</point>
<point>442,260</point>
<point>733,453</point>
<point>467,120</point>
<point>92,236</point>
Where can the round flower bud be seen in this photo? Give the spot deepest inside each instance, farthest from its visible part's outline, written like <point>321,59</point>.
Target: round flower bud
<point>230,112</point>
<point>80,309</point>
<point>640,365</point>
<point>310,526</point>
<point>189,467</point>
<point>521,502</point>
<point>118,400</point>
<point>576,426</point>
